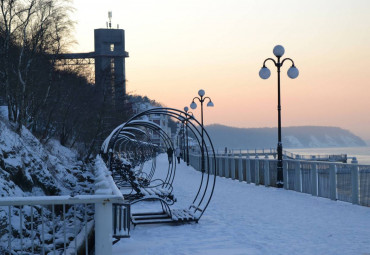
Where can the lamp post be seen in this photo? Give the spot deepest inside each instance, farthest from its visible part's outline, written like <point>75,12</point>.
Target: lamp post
<point>183,143</point>
<point>265,74</point>
<point>193,106</point>
<point>178,137</point>
<point>186,109</point>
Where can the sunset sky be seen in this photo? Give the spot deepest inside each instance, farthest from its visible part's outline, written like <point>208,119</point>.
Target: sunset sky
<point>178,47</point>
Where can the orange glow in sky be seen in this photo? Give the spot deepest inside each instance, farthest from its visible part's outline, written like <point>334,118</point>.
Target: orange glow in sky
<point>178,47</point>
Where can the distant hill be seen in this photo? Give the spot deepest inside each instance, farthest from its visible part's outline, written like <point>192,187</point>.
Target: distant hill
<point>292,137</point>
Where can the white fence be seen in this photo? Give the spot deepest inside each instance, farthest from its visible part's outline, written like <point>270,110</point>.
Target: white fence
<point>65,224</point>
<point>57,224</point>
<point>273,152</point>
<point>337,181</point>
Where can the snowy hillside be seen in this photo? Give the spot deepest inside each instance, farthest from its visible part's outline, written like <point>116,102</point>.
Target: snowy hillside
<point>28,167</point>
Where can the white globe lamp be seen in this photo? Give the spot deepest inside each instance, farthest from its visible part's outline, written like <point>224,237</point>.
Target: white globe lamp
<point>193,105</point>
<point>278,51</point>
<point>264,73</point>
<point>201,92</point>
<point>293,72</point>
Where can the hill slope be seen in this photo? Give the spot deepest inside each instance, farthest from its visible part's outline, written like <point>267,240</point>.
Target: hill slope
<point>28,167</point>
<point>292,137</point>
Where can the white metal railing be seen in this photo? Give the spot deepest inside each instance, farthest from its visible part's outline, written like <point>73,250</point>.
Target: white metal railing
<point>287,154</point>
<point>64,224</point>
<point>337,181</point>
<point>56,224</point>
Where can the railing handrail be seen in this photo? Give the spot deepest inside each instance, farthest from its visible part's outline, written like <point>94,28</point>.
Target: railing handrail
<point>59,200</point>
<point>291,159</point>
<point>102,217</point>
<point>271,151</point>
<point>347,182</point>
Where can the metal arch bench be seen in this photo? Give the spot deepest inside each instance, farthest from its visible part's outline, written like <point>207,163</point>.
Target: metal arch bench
<point>154,190</point>
<point>132,145</point>
<point>115,142</point>
<point>120,176</point>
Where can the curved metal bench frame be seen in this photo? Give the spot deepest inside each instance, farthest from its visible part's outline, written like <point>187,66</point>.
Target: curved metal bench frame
<point>208,177</point>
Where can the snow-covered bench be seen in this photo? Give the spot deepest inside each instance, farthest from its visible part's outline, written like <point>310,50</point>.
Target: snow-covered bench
<point>141,189</point>
<point>161,190</point>
<point>119,167</point>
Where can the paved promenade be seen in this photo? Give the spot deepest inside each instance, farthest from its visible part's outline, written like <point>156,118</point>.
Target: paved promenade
<point>247,219</point>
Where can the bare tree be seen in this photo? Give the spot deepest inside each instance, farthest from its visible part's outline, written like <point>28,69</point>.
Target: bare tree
<point>50,101</point>
<point>34,28</point>
<point>9,26</point>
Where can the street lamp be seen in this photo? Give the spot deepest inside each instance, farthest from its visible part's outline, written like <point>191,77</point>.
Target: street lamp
<point>193,106</point>
<point>186,109</point>
<point>265,74</point>
<point>178,131</point>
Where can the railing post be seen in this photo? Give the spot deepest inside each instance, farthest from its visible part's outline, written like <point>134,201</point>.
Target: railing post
<point>212,165</point>
<point>215,167</point>
<point>227,169</point>
<point>248,169</point>
<point>233,167</point>
<point>314,179</point>
<point>333,181</point>
<point>240,168</point>
<point>206,164</point>
<point>193,160</point>
<point>267,172</point>
<point>257,171</point>
<point>103,215</point>
<point>298,176</point>
<point>103,228</point>
<point>355,184</point>
<point>285,174</point>
<point>220,166</point>
<point>196,162</point>
<point>199,163</point>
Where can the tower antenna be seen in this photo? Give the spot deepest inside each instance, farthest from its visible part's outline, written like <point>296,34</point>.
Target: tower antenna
<point>110,19</point>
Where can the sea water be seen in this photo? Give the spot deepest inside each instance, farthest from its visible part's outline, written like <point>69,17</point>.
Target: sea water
<point>361,153</point>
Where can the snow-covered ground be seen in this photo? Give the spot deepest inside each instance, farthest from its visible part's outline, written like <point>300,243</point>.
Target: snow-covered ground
<point>30,168</point>
<point>248,219</point>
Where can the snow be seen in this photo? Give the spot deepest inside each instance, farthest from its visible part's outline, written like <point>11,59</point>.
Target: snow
<point>50,168</point>
<point>29,168</point>
<point>104,147</point>
<point>104,183</point>
<point>293,141</point>
<point>4,111</point>
<point>348,141</point>
<point>80,238</point>
<point>248,219</point>
<point>241,218</point>
<point>105,144</point>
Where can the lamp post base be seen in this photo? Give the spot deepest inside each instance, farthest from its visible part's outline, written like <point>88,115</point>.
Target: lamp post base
<point>280,175</point>
<point>280,184</point>
<point>280,178</point>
